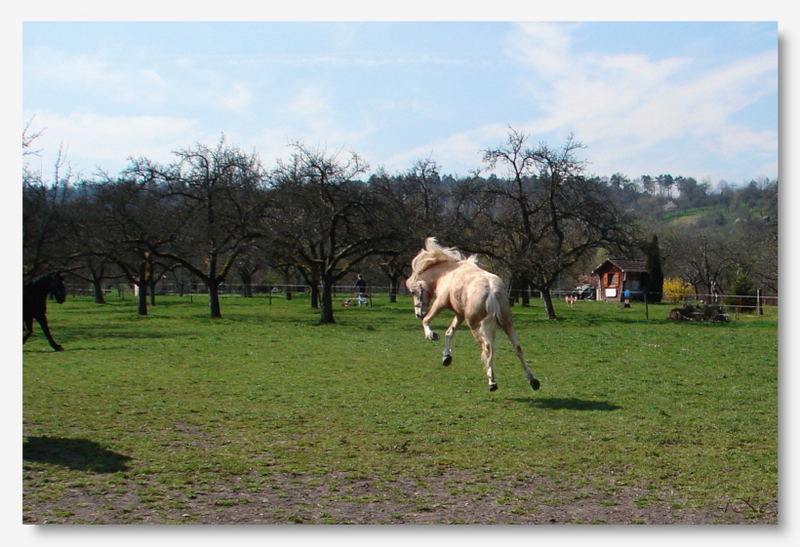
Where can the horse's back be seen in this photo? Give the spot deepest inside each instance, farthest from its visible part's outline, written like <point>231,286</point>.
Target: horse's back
<point>470,288</point>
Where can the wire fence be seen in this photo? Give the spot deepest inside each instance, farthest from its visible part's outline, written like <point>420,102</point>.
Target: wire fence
<point>281,290</point>
<point>348,295</point>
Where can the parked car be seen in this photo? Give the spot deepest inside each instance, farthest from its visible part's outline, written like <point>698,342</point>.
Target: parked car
<point>585,292</point>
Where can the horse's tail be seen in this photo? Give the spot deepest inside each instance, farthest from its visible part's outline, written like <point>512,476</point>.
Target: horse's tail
<point>496,313</point>
<point>497,307</point>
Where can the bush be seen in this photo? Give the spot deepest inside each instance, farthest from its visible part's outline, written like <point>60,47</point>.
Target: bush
<point>676,289</point>
<point>741,287</point>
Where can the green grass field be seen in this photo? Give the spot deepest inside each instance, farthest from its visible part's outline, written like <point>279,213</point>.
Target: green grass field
<point>265,416</point>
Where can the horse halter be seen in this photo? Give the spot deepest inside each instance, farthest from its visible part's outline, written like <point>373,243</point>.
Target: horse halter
<point>57,287</point>
<point>420,304</point>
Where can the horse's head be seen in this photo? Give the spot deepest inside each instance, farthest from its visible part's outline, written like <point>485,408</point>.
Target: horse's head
<point>57,288</point>
<point>421,293</point>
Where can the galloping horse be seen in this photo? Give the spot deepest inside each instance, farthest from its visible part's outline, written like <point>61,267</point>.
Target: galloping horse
<point>34,304</point>
<point>443,276</point>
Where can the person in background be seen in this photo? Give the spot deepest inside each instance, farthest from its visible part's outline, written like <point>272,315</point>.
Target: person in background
<point>360,287</point>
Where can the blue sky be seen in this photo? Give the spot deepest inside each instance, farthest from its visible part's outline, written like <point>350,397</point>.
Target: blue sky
<point>694,99</point>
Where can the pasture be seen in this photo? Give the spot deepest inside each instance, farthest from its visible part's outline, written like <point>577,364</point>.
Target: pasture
<point>266,417</point>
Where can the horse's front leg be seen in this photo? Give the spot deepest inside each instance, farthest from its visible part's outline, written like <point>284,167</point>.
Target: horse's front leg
<point>46,329</point>
<point>27,324</point>
<point>448,340</point>
<point>426,321</point>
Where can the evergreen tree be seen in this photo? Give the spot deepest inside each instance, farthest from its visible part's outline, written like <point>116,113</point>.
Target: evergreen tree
<point>654,284</point>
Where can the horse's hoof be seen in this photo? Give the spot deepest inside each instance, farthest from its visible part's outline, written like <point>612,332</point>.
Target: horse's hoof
<point>535,384</point>
<point>492,387</point>
<point>433,337</point>
<point>447,360</point>
<point>58,348</point>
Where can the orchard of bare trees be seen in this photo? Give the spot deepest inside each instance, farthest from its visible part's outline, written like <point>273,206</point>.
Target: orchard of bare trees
<point>215,214</point>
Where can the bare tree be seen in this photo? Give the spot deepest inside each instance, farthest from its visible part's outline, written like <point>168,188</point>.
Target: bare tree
<point>327,220</point>
<point>126,226</point>
<point>44,227</point>
<point>546,215</point>
<point>217,195</point>
<point>414,205</point>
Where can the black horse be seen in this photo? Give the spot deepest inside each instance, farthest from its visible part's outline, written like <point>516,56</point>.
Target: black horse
<point>34,304</point>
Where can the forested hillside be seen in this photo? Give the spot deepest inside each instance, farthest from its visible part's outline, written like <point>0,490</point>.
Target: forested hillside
<point>708,232</point>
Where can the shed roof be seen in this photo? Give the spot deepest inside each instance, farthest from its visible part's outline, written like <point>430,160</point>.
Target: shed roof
<point>625,264</point>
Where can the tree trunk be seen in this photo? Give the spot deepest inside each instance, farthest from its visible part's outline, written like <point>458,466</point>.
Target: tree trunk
<point>512,293</point>
<point>247,283</point>
<point>142,298</point>
<point>315,296</point>
<point>393,289</point>
<point>141,283</point>
<point>548,303</point>
<point>213,299</point>
<point>97,285</point>
<point>151,281</point>
<point>520,291</point>
<point>326,301</point>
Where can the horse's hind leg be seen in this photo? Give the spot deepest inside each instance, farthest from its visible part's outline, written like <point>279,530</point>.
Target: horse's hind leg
<point>46,329</point>
<point>512,335</point>
<point>487,356</point>
<point>485,335</point>
<point>448,340</point>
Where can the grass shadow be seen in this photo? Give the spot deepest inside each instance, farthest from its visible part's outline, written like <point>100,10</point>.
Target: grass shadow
<point>570,403</point>
<point>78,454</point>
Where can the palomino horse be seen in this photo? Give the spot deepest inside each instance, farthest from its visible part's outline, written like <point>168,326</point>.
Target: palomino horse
<point>34,304</point>
<point>443,276</point>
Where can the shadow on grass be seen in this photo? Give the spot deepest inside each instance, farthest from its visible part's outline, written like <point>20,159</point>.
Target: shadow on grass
<point>571,403</point>
<point>78,454</point>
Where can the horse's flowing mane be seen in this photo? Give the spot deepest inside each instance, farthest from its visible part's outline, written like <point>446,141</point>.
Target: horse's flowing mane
<point>433,253</point>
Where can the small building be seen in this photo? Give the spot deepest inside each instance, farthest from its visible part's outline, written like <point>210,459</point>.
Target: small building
<point>617,275</point>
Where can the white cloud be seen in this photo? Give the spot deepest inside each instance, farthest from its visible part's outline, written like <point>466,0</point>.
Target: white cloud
<point>238,97</point>
<point>622,106</point>
<point>737,139</point>
<point>636,113</point>
<point>109,140</point>
<point>314,119</point>
<point>310,102</point>
<point>458,153</point>
<point>98,76</point>
<point>138,79</point>
<point>542,46</point>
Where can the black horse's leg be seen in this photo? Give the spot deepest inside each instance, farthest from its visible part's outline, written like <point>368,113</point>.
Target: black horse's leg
<point>43,322</point>
<point>27,323</point>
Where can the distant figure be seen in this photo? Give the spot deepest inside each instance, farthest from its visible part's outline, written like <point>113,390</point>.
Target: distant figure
<point>715,292</point>
<point>570,299</point>
<point>360,286</point>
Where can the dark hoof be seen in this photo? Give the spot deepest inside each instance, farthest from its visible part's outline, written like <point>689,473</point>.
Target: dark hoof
<point>492,387</point>
<point>434,337</point>
<point>447,360</point>
<point>535,384</point>
<point>58,348</point>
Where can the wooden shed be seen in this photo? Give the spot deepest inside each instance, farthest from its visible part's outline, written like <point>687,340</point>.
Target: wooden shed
<point>617,275</point>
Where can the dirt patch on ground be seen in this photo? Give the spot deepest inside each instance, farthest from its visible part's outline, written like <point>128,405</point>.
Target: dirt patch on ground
<point>455,498</point>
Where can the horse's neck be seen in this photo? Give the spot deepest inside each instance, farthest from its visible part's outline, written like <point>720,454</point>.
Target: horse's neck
<point>433,274</point>
<point>41,284</point>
